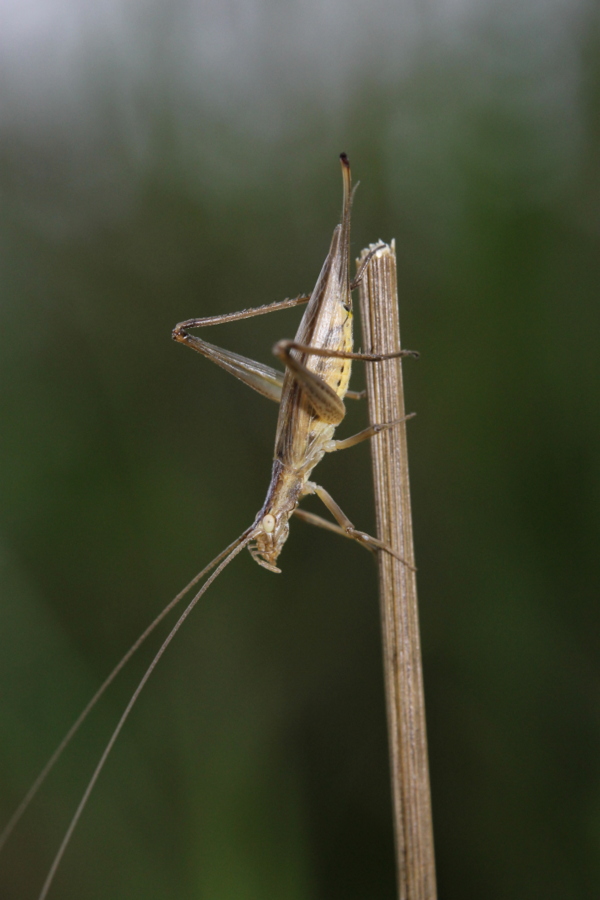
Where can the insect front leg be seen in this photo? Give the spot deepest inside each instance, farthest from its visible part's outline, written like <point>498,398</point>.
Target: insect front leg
<point>346,528</point>
<point>325,524</point>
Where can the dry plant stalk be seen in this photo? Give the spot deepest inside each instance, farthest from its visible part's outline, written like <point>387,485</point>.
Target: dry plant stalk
<point>398,589</point>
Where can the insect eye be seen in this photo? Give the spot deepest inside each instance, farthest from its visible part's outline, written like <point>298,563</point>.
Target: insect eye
<point>268,523</point>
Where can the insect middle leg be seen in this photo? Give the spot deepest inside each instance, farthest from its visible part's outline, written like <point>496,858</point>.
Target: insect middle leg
<point>365,434</point>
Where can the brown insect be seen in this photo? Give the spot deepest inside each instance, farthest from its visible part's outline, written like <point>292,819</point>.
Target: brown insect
<point>311,396</point>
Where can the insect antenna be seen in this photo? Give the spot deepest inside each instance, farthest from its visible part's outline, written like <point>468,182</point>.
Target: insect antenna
<point>229,553</point>
<point>31,793</point>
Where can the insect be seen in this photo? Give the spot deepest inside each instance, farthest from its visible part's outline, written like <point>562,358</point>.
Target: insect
<point>311,396</point>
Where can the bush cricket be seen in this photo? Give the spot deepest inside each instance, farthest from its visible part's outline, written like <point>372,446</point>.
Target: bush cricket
<point>311,395</point>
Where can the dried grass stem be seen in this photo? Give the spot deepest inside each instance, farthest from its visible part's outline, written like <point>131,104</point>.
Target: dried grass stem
<point>398,589</point>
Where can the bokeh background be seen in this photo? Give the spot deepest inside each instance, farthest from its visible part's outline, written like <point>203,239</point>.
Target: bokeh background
<point>164,160</point>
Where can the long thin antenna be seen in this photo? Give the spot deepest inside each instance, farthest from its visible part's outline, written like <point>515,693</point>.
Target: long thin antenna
<point>238,545</point>
<point>23,805</point>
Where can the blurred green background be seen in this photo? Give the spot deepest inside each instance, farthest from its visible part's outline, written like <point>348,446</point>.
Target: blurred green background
<point>166,160</point>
